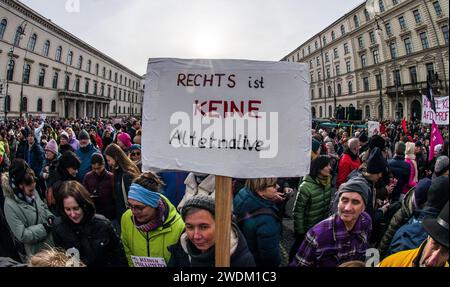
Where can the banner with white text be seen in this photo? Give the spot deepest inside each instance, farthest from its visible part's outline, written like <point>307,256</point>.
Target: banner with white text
<point>441,115</point>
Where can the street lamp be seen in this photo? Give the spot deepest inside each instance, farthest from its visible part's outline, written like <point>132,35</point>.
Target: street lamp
<point>22,34</point>
<point>374,10</point>
<point>8,71</point>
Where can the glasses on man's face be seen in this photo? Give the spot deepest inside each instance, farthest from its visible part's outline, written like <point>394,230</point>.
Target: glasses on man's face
<point>135,154</point>
<point>138,208</point>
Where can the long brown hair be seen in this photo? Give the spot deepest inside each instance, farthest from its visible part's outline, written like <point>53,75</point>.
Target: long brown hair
<point>73,188</point>
<point>122,160</point>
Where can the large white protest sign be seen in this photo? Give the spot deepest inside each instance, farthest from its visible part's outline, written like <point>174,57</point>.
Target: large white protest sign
<point>373,127</point>
<point>234,118</point>
<point>441,115</point>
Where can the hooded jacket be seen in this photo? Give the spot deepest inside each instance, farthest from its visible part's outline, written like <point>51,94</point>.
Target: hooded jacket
<point>206,187</point>
<point>94,237</point>
<point>185,254</point>
<point>262,232</point>
<point>312,204</point>
<point>26,220</point>
<point>155,242</point>
<point>85,154</point>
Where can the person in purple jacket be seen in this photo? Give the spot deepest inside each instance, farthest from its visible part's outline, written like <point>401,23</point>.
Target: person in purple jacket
<point>342,237</point>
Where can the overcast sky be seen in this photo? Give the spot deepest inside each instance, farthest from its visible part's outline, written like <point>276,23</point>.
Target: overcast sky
<point>132,31</point>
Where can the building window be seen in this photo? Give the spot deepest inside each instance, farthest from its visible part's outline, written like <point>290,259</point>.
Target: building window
<point>393,50</point>
<point>313,112</point>
<point>77,85</point>
<point>400,110</point>
<point>408,46</point>
<point>312,77</point>
<point>58,54</point>
<point>445,33</point>
<point>336,55</point>
<point>372,37</point>
<point>26,74</point>
<point>8,103</point>
<point>46,48</point>
<point>397,78</point>
<point>109,92</point>
<point>109,76</point>
<point>401,21</point>
<point>327,58</point>
<point>413,74</point>
<point>96,69</point>
<point>381,4</point>
<point>333,36</point>
<point>363,60</point>
<point>317,61</point>
<point>378,81</point>
<point>102,90</point>
<point>328,73</point>
<point>320,112</point>
<point>417,17</point>
<point>366,14</point>
<point>309,52</point>
<point>388,28</point>
<point>3,25</point>
<point>339,89</point>
<point>324,40</point>
<point>10,73</point>
<point>120,78</point>
<point>320,92</point>
<point>88,66</point>
<point>338,70</point>
<point>67,83</point>
<point>39,105</point>
<point>349,67</point>
<point>394,2</point>
<point>53,110</point>
<point>367,110</point>
<point>366,84</point>
<point>361,42</point>
<point>86,87</point>
<point>319,76</point>
<point>303,55</point>
<point>430,70</point>
<point>95,88</point>
<point>316,45</point>
<point>346,50</point>
<point>356,21</point>
<point>18,36</point>
<point>310,65</point>
<point>424,40</point>
<point>376,56</point>
<point>69,58</point>
<point>330,111</point>
<point>104,72</point>
<point>25,104</point>
<point>330,92</point>
<point>55,80</point>
<point>437,8</point>
<point>342,30</point>
<point>41,77</point>
<point>32,42</point>
<point>350,87</point>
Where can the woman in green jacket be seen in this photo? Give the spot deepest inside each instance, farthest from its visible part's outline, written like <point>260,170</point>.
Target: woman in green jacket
<point>313,199</point>
<point>27,215</point>
<point>150,225</point>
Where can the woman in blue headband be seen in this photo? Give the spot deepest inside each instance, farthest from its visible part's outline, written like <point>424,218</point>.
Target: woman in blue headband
<point>150,225</point>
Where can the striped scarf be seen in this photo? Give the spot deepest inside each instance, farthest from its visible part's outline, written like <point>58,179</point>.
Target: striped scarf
<point>156,222</point>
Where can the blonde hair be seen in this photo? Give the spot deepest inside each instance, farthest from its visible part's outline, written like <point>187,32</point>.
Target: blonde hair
<point>53,257</point>
<point>260,183</point>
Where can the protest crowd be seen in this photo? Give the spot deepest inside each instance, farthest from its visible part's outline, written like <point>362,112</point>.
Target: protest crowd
<point>78,185</point>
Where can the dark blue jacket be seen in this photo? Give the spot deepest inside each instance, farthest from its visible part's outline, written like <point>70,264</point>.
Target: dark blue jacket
<point>401,171</point>
<point>35,158</point>
<point>174,185</point>
<point>85,154</point>
<point>263,232</point>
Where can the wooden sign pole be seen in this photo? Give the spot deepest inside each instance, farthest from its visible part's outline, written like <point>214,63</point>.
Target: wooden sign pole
<point>224,200</point>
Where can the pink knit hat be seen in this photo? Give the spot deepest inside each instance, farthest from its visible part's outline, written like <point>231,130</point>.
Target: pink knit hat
<point>125,139</point>
<point>52,146</point>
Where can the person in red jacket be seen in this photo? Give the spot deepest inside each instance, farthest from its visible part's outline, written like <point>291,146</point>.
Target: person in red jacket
<point>348,162</point>
<point>98,140</point>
